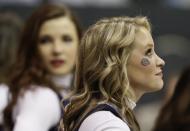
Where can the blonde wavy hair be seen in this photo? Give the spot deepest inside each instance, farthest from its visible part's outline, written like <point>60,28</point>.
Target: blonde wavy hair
<point>101,72</point>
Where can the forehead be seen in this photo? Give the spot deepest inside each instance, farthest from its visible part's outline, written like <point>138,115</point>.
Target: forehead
<point>61,24</point>
<point>143,38</point>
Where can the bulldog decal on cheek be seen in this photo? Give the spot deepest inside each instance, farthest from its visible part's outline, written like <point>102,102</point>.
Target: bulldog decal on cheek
<point>145,62</point>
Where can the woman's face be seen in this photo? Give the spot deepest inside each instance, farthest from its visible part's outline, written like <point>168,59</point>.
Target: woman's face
<point>57,45</point>
<point>144,65</point>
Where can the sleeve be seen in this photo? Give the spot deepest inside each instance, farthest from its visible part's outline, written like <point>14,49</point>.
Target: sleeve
<point>37,110</point>
<point>103,121</point>
<point>4,92</point>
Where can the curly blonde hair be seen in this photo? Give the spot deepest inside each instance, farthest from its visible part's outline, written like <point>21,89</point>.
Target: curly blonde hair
<point>101,73</point>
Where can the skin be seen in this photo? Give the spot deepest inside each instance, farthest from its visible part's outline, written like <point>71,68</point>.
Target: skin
<point>58,43</point>
<point>144,76</point>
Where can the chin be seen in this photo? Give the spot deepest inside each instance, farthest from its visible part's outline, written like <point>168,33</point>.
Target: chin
<point>60,72</point>
<point>155,87</point>
<point>159,86</point>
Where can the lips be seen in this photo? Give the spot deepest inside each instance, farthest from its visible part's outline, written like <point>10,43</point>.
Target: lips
<point>159,74</point>
<point>57,63</point>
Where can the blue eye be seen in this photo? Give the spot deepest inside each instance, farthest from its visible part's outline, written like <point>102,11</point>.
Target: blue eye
<point>45,39</point>
<point>67,38</point>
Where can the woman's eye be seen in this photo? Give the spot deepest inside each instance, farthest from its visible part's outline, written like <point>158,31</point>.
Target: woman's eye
<point>45,40</point>
<point>67,38</point>
<point>149,52</point>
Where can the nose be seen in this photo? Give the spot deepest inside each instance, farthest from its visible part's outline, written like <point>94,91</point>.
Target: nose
<point>57,48</point>
<point>160,61</point>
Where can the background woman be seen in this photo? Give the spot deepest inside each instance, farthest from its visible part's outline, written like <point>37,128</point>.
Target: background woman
<point>175,114</point>
<point>10,28</point>
<point>44,69</point>
<point>117,65</point>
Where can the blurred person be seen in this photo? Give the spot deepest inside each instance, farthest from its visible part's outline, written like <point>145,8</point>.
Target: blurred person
<point>117,64</point>
<point>175,114</point>
<point>10,29</point>
<point>43,72</point>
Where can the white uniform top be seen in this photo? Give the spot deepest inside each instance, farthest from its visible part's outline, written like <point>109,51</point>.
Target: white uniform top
<point>38,109</point>
<point>65,83</point>
<point>105,121</point>
<point>3,100</point>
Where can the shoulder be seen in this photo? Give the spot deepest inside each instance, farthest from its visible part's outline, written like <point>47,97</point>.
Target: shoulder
<point>32,108</point>
<point>103,120</point>
<point>39,93</point>
<point>38,98</point>
<point>4,93</point>
<point>4,89</point>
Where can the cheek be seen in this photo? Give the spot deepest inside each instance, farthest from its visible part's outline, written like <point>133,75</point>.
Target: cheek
<point>141,70</point>
<point>72,51</point>
<point>147,67</point>
<point>44,51</point>
<point>72,55</point>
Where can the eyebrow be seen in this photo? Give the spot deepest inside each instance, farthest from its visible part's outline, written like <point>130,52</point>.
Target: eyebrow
<point>149,45</point>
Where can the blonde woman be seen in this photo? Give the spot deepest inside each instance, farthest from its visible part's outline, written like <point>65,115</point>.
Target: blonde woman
<point>117,64</point>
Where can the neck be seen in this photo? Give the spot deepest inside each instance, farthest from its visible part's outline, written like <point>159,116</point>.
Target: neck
<point>136,94</point>
<point>63,81</point>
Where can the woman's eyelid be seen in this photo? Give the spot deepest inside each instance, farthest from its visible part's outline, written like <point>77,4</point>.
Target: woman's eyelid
<point>149,51</point>
<point>67,38</point>
<point>45,39</point>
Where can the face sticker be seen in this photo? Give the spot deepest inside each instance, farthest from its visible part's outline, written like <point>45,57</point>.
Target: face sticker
<point>145,62</point>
